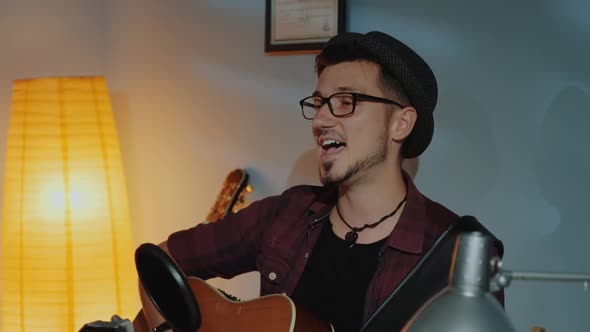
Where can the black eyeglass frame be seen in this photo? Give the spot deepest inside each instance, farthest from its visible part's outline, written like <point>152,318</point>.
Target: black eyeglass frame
<point>355,97</point>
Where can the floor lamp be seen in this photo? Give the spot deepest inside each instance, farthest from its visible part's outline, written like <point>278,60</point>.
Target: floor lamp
<point>67,250</point>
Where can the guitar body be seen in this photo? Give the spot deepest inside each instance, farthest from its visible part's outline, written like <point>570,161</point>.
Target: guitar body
<point>272,313</point>
<point>140,324</point>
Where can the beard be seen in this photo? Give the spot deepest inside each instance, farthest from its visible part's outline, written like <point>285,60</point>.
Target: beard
<point>375,158</point>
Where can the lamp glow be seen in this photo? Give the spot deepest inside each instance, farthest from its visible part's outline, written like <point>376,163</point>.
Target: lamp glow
<point>67,249</point>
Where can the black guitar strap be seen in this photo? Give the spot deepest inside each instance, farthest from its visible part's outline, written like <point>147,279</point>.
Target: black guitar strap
<point>429,276</point>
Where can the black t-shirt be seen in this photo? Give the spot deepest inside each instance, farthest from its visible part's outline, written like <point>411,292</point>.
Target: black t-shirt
<point>335,280</point>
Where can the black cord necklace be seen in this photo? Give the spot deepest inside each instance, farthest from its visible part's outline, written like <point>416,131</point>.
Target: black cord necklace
<point>353,235</point>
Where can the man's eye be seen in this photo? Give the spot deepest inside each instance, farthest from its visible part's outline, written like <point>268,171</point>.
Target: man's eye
<point>344,100</point>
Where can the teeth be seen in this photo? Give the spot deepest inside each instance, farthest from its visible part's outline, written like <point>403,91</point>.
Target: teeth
<point>330,141</point>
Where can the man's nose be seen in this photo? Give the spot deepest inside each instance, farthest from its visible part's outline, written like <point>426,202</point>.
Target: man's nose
<point>323,117</point>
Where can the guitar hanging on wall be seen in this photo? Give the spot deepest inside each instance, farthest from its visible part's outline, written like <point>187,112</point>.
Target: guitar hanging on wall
<point>231,197</point>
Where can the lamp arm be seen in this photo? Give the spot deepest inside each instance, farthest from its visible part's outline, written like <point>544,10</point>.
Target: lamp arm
<point>503,278</point>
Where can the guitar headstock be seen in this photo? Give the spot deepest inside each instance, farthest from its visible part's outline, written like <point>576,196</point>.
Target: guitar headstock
<point>231,198</point>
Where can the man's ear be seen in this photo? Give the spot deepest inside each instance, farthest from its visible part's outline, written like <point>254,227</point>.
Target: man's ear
<point>402,123</point>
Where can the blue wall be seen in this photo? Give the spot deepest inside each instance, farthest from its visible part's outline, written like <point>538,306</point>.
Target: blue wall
<point>512,144</point>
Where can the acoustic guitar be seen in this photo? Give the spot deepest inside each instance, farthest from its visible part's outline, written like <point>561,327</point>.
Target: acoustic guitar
<point>190,304</point>
<point>230,198</point>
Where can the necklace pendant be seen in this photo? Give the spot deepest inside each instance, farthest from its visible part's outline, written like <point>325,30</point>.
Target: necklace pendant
<point>351,238</point>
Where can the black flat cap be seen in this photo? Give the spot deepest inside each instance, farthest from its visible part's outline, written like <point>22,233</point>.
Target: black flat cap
<point>413,73</point>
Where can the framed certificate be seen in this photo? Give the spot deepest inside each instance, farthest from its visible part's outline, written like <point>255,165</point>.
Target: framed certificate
<point>301,26</point>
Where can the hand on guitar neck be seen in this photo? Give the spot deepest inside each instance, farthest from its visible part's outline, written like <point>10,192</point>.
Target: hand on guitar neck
<point>229,199</point>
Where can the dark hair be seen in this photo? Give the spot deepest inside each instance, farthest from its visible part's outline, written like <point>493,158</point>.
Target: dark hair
<point>335,54</point>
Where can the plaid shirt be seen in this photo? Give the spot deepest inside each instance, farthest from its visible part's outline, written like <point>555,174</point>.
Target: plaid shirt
<point>276,235</point>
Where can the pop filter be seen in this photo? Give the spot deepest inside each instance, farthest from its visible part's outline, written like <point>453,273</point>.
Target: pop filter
<point>167,288</point>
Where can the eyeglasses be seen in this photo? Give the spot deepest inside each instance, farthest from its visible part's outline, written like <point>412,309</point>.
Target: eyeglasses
<point>341,104</point>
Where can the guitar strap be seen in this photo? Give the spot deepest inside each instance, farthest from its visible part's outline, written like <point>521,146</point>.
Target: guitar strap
<point>429,276</point>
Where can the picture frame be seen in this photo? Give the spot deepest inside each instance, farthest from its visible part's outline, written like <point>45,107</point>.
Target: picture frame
<point>302,26</point>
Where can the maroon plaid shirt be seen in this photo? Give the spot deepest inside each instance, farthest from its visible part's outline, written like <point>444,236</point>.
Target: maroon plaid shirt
<point>276,235</point>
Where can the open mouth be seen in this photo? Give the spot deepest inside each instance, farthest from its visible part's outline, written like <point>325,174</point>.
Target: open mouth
<point>331,146</point>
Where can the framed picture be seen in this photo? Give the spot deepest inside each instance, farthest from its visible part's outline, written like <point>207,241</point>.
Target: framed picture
<point>301,26</point>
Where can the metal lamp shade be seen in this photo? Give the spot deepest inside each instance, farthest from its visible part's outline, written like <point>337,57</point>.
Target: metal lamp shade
<point>466,305</point>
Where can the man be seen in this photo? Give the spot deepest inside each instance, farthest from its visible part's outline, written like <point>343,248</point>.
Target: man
<point>339,250</point>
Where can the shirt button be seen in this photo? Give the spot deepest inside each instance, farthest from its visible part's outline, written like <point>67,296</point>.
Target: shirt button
<point>272,276</point>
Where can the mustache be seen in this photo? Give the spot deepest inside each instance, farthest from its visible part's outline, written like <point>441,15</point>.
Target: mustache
<point>317,132</point>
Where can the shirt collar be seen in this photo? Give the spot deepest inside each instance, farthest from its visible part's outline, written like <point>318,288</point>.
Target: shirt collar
<point>323,203</point>
<point>407,235</point>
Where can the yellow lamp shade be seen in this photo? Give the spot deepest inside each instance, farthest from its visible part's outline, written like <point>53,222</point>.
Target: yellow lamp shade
<point>67,249</point>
